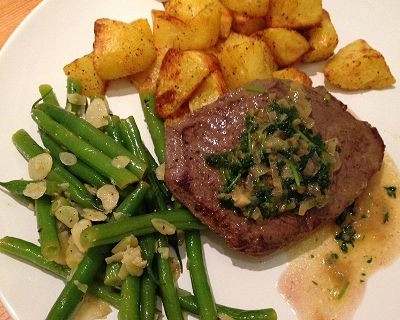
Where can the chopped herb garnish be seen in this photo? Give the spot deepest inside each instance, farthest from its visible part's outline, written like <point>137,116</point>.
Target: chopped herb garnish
<point>255,89</point>
<point>346,237</point>
<point>391,191</point>
<point>278,165</point>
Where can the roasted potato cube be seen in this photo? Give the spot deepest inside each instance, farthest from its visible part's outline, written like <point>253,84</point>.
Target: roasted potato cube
<point>200,32</point>
<point>146,80</point>
<point>358,66</point>
<point>247,25</point>
<point>82,69</point>
<point>253,8</point>
<point>287,46</point>
<point>323,40</point>
<point>180,75</point>
<point>293,74</point>
<point>144,27</point>
<point>226,22</point>
<point>243,58</point>
<point>120,49</point>
<point>294,14</point>
<point>212,87</point>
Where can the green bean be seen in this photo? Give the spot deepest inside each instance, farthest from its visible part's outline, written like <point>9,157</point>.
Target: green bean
<point>31,253</point>
<point>18,187</point>
<point>28,148</point>
<point>48,95</point>
<point>93,136</point>
<point>189,303</point>
<point>47,228</point>
<point>83,150</point>
<point>113,232</point>
<point>79,169</point>
<point>148,297</point>
<point>111,277</point>
<point>154,124</point>
<point>198,275</point>
<point>74,92</point>
<point>168,293</point>
<point>73,291</point>
<point>112,128</point>
<point>131,137</point>
<point>129,308</point>
<point>106,293</point>
<point>132,202</point>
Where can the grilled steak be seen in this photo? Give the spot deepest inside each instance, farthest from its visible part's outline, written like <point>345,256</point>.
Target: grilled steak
<point>217,128</point>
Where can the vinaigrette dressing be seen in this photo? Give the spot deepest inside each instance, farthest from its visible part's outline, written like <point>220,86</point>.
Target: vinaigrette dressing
<point>324,283</point>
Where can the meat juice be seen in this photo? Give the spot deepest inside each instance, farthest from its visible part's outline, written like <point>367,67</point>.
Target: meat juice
<point>324,283</point>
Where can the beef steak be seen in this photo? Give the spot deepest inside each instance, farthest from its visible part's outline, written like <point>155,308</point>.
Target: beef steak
<point>217,128</point>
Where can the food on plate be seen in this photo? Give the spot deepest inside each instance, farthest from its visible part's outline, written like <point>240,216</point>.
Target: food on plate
<point>197,142</point>
<point>293,74</point>
<point>287,46</point>
<point>247,25</point>
<point>294,14</point>
<point>252,8</point>
<point>243,58</point>
<point>181,73</point>
<point>82,69</point>
<point>358,66</point>
<point>322,38</point>
<point>121,49</point>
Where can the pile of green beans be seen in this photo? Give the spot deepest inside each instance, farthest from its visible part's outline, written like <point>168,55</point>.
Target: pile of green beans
<point>143,198</point>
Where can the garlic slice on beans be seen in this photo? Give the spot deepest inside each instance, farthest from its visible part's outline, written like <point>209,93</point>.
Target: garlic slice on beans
<point>97,112</point>
<point>40,166</point>
<point>120,161</point>
<point>93,214</point>
<point>35,190</point>
<point>109,196</point>
<point>77,230</point>
<point>163,226</point>
<point>67,215</point>
<point>67,158</point>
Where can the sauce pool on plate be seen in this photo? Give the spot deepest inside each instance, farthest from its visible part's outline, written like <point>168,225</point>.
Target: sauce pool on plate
<point>323,281</point>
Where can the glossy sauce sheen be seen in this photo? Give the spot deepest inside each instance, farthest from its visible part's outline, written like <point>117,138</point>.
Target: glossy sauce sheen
<point>323,283</point>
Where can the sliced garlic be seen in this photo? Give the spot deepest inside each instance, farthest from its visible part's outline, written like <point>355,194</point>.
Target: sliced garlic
<point>160,171</point>
<point>76,98</point>
<point>93,214</point>
<point>73,256</point>
<point>35,190</point>
<point>92,308</point>
<point>163,226</point>
<point>120,161</point>
<point>67,215</point>
<point>40,166</point>
<point>164,252</point>
<point>76,232</point>
<point>129,241</point>
<point>68,158</point>
<point>133,261</point>
<point>81,286</point>
<point>109,196</point>
<point>97,112</point>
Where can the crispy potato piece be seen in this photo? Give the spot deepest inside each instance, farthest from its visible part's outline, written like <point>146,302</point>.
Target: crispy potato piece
<point>82,69</point>
<point>144,27</point>
<point>293,74</point>
<point>180,74</point>
<point>247,25</point>
<point>323,40</point>
<point>294,14</point>
<point>287,46</point>
<point>200,32</point>
<point>358,66</point>
<point>212,87</point>
<point>120,49</point>
<point>243,58</point>
<point>186,10</point>
<point>146,80</point>
<point>253,8</point>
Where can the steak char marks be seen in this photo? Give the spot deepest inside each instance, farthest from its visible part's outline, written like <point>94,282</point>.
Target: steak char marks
<point>217,128</point>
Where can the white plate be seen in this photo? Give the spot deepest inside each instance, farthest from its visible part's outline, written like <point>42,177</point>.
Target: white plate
<point>59,31</point>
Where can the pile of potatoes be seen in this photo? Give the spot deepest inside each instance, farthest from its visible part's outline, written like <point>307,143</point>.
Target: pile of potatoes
<point>195,51</point>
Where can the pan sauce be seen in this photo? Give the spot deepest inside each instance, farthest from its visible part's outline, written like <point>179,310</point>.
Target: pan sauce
<point>322,282</point>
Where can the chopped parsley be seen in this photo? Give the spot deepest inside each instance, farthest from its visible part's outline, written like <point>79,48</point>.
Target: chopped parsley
<point>279,165</point>
<point>347,235</point>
